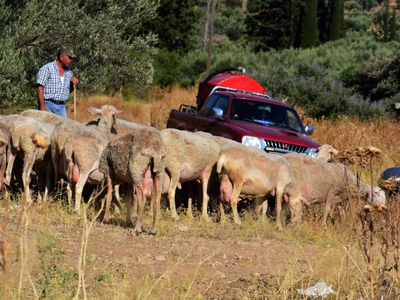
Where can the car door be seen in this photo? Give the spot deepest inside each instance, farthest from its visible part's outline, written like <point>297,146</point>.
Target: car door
<point>218,127</point>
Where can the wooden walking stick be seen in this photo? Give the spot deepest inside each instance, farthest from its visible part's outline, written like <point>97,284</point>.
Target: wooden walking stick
<point>75,102</point>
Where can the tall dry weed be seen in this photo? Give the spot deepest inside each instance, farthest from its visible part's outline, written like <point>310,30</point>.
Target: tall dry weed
<point>152,110</point>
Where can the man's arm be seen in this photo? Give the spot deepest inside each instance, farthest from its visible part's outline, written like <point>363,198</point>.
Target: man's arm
<point>40,93</point>
<point>73,83</point>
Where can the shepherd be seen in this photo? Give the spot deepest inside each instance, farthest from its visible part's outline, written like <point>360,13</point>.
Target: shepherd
<point>55,82</point>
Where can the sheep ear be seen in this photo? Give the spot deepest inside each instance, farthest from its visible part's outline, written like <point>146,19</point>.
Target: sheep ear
<point>334,151</point>
<point>117,112</point>
<point>94,111</point>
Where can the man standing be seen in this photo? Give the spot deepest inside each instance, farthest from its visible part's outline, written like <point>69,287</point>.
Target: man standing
<point>55,82</point>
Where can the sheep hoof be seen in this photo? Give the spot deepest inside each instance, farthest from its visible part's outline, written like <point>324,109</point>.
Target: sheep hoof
<point>175,217</point>
<point>135,232</point>
<point>207,219</point>
<point>280,228</point>
<point>153,231</point>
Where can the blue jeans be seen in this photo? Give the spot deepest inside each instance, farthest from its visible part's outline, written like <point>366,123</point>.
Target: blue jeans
<point>58,109</point>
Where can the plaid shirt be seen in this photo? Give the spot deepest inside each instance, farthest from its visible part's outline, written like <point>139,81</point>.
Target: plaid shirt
<point>49,77</point>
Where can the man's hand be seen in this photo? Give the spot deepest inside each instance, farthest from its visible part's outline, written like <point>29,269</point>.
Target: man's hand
<point>74,80</point>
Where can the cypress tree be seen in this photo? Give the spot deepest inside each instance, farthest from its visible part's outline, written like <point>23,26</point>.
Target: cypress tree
<point>336,24</point>
<point>393,25</point>
<point>386,19</point>
<point>310,25</point>
<point>322,16</point>
<point>268,24</point>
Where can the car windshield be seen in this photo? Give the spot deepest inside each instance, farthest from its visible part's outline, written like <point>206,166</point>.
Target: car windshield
<point>266,114</point>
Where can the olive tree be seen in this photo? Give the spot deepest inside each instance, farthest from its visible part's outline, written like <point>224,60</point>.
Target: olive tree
<point>104,34</point>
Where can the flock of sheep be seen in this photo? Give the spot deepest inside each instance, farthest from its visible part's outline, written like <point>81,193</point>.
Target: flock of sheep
<point>151,162</point>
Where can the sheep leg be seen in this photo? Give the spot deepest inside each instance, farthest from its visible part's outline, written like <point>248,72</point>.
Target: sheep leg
<point>155,199</point>
<point>171,196</point>
<point>190,201</point>
<point>29,160</point>
<point>11,155</point>
<point>135,204</point>
<point>142,199</point>
<point>128,201</point>
<point>204,184</point>
<point>261,207</point>
<point>234,200</point>
<point>222,211</point>
<point>69,195</point>
<point>116,191</point>
<point>278,201</point>
<point>326,211</point>
<point>109,199</point>
<point>47,188</point>
<point>79,188</point>
<point>2,171</point>
<point>55,158</point>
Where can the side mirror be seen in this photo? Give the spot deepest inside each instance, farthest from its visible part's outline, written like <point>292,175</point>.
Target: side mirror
<point>216,113</point>
<point>309,129</point>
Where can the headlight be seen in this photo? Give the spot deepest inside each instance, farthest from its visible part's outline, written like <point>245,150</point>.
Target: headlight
<point>251,141</point>
<point>313,152</point>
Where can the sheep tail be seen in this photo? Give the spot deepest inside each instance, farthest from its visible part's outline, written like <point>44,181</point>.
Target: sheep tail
<point>40,141</point>
<point>220,163</point>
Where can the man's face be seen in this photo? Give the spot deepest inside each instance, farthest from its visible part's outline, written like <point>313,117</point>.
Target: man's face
<point>65,60</point>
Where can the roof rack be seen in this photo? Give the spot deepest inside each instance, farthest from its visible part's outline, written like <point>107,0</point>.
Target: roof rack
<point>239,91</point>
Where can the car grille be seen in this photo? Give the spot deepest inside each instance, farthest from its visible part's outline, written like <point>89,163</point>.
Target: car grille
<point>283,147</point>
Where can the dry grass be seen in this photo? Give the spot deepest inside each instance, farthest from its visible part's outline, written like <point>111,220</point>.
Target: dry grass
<point>120,266</point>
<point>153,110</point>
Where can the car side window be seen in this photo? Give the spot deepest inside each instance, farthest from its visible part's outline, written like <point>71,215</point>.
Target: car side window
<point>222,104</point>
<point>293,121</point>
<point>210,104</point>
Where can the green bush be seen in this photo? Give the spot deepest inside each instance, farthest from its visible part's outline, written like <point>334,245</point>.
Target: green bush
<point>111,53</point>
<point>358,21</point>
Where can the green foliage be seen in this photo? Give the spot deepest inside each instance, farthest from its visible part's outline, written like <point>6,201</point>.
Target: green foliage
<point>393,26</point>
<point>310,86</point>
<point>377,78</point>
<point>336,23</point>
<point>105,35</point>
<point>269,24</point>
<point>323,17</point>
<point>53,281</point>
<point>231,22</point>
<point>381,22</point>
<point>358,21</point>
<point>310,25</point>
<point>166,68</point>
<point>174,24</point>
<point>366,4</point>
<point>306,76</point>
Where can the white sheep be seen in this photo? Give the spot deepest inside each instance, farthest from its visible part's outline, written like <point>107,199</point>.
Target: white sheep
<point>189,157</point>
<point>319,181</point>
<point>250,171</point>
<point>30,138</point>
<point>82,151</point>
<point>43,116</point>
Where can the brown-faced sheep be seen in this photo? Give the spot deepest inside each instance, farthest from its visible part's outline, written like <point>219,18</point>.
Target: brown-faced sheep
<point>138,159</point>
